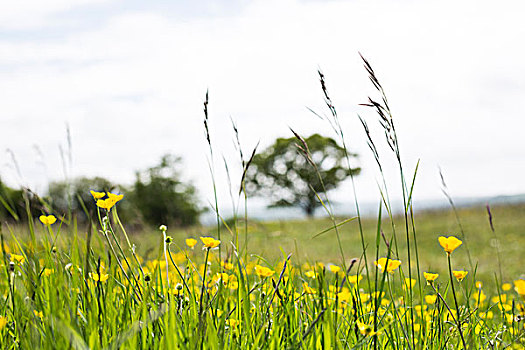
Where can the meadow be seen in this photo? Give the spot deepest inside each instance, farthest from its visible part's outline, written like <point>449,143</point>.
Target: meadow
<point>428,280</point>
<point>272,239</point>
<point>67,287</point>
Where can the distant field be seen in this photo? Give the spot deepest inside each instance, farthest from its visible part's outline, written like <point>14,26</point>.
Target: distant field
<point>268,239</point>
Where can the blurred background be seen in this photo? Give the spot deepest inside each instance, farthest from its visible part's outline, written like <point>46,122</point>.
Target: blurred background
<point>108,88</point>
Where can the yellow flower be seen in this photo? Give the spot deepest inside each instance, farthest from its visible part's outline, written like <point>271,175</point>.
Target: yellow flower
<point>3,322</point>
<point>506,287</point>
<point>335,268</point>
<point>519,286</point>
<point>19,259</point>
<point>479,327</point>
<point>430,299</point>
<point>310,274</point>
<point>430,277</point>
<point>177,290</point>
<point>489,315</point>
<point>449,244</point>
<point>391,265</point>
<point>496,299</point>
<point>479,296</point>
<point>227,265</point>
<point>354,279</point>
<point>460,275</point>
<point>39,314</point>
<point>232,322</point>
<point>97,195</point>
<point>220,277</point>
<point>263,271</point>
<point>115,197</point>
<point>364,297</point>
<point>47,272</point>
<point>210,242</point>
<point>365,329</point>
<point>48,220</point>
<point>307,289</point>
<point>190,242</point>
<point>344,295</point>
<point>107,203</point>
<point>409,283</point>
<point>103,277</point>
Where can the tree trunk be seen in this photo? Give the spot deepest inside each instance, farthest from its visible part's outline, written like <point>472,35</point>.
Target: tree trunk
<point>309,211</point>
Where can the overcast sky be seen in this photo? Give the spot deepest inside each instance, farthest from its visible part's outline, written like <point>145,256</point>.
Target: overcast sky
<point>129,78</point>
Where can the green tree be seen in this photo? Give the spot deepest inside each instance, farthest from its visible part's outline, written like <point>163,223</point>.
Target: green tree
<point>161,196</point>
<point>284,175</point>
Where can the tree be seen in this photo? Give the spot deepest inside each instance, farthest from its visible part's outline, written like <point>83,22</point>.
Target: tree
<point>282,173</point>
<point>161,196</point>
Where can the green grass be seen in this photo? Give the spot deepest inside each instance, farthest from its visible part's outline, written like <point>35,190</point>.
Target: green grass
<point>270,239</point>
<point>99,294</point>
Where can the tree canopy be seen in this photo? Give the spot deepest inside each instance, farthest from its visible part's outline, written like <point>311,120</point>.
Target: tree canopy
<point>162,198</point>
<point>158,196</point>
<point>288,178</point>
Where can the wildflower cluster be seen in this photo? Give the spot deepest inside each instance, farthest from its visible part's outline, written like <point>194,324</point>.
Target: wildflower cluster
<point>108,202</point>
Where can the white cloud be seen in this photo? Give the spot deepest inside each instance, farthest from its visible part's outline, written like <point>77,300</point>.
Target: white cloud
<point>34,14</point>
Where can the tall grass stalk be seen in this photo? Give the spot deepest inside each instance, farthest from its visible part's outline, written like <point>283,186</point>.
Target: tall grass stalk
<point>211,166</point>
<point>336,126</point>
<point>444,190</point>
<point>387,122</point>
<point>496,240</point>
<point>458,311</point>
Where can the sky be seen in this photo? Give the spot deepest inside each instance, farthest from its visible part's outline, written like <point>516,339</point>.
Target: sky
<point>128,78</point>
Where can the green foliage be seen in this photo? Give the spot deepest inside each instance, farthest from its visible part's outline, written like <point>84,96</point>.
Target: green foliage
<point>15,204</point>
<point>161,196</point>
<point>288,178</point>
<point>158,196</point>
<point>11,203</point>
